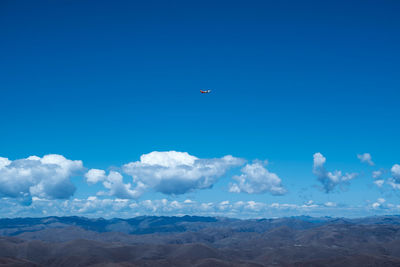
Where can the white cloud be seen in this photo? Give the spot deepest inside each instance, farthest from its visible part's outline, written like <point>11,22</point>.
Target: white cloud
<point>379,183</point>
<point>94,205</point>
<point>168,159</point>
<point>99,206</point>
<point>396,172</point>
<point>224,205</point>
<point>165,206</point>
<point>95,175</point>
<point>394,182</point>
<point>376,205</point>
<point>254,206</point>
<point>115,184</point>
<point>379,203</point>
<point>366,158</point>
<point>330,204</point>
<point>309,204</point>
<point>285,206</point>
<point>47,177</point>
<point>4,162</point>
<point>328,179</point>
<point>256,179</point>
<point>175,172</point>
<point>377,174</point>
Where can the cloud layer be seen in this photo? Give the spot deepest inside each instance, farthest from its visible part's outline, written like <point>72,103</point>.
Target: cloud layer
<point>256,179</point>
<point>43,184</point>
<point>126,208</point>
<point>47,177</point>
<point>329,180</point>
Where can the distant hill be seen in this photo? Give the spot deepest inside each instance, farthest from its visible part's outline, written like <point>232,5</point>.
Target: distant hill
<point>200,241</point>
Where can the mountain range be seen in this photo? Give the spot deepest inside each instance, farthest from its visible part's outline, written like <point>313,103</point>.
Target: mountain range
<point>200,241</point>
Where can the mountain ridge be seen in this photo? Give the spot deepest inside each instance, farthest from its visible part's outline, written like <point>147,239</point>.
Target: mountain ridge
<point>200,241</point>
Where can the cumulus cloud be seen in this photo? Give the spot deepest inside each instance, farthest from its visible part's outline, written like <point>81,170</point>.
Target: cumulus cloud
<point>329,180</point>
<point>115,184</point>
<point>256,179</point>
<point>366,158</point>
<point>379,203</point>
<point>379,183</point>
<point>377,175</point>
<point>395,180</point>
<point>396,172</point>
<point>94,176</point>
<point>4,162</point>
<point>47,177</point>
<point>173,172</point>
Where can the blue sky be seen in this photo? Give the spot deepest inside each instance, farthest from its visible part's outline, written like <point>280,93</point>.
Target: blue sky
<point>105,82</point>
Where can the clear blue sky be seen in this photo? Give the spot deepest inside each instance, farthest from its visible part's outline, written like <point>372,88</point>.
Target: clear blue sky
<point>105,82</point>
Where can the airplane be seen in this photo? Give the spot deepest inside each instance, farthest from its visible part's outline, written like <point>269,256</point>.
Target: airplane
<point>205,91</point>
